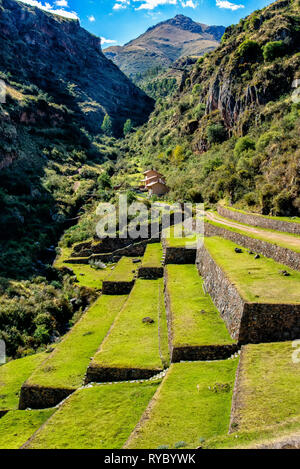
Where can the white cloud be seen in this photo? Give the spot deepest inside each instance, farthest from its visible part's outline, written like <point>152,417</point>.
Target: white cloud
<point>92,18</point>
<point>52,9</point>
<point>189,3</point>
<point>107,41</point>
<point>151,4</point>
<point>121,4</point>
<point>228,5</point>
<point>62,3</point>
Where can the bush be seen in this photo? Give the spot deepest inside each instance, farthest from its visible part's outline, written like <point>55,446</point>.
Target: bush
<point>199,111</point>
<point>197,89</point>
<point>273,50</point>
<point>242,145</point>
<point>249,51</point>
<point>216,133</point>
<point>266,138</point>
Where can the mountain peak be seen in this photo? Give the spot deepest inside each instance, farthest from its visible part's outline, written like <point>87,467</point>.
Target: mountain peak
<point>182,22</point>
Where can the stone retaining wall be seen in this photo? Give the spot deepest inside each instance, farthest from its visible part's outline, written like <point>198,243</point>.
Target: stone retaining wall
<point>117,288</point>
<point>279,254</point>
<point>97,374</point>
<point>36,397</point>
<point>259,220</point>
<point>179,256</point>
<point>203,353</point>
<point>150,273</point>
<point>247,322</point>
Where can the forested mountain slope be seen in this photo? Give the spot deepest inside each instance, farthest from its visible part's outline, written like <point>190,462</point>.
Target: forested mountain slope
<point>233,130</point>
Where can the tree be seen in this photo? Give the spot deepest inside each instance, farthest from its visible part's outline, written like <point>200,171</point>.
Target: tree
<point>107,127</point>
<point>177,156</point>
<point>242,145</point>
<point>216,133</point>
<point>127,127</point>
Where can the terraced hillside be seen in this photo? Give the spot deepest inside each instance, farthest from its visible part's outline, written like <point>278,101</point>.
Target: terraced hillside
<point>173,362</point>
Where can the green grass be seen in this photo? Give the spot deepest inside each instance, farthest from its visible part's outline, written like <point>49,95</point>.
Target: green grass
<point>153,255</point>
<point>175,238</point>
<point>185,409</point>
<point>195,319</point>
<point>244,440</point>
<point>257,280</point>
<point>13,375</point>
<point>289,219</point>
<point>269,236</point>
<point>131,343</point>
<point>18,426</point>
<point>163,330</point>
<point>86,275</point>
<point>269,386</point>
<point>66,366</point>
<point>101,417</point>
<point>123,272</point>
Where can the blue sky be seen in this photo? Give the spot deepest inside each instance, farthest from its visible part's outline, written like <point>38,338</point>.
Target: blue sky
<point>119,21</point>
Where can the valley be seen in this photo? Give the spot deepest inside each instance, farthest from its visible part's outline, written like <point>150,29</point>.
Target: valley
<point>165,342</point>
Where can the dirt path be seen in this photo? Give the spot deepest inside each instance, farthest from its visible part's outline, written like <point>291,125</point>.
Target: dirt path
<point>292,241</point>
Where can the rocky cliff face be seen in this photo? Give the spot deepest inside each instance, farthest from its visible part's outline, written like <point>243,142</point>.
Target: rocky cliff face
<point>66,61</point>
<point>164,43</point>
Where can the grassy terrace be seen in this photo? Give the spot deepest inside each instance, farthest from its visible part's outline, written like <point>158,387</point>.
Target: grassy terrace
<point>289,240</point>
<point>13,375</point>
<point>175,237</point>
<point>86,275</point>
<point>101,417</point>
<point>66,366</point>
<point>257,280</point>
<point>269,396</point>
<point>195,319</point>
<point>269,386</point>
<point>193,402</point>
<point>289,219</point>
<point>123,272</point>
<point>153,255</point>
<point>131,343</point>
<point>17,427</point>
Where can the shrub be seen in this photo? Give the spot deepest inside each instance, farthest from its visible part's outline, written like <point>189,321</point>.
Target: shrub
<point>199,111</point>
<point>197,89</point>
<point>216,133</point>
<point>104,181</point>
<point>42,335</point>
<point>266,138</point>
<point>283,203</point>
<point>251,198</point>
<point>273,50</point>
<point>242,145</point>
<point>249,51</point>
<point>177,155</point>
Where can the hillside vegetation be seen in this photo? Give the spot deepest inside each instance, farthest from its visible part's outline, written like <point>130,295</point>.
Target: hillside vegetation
<point>232,131</point>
